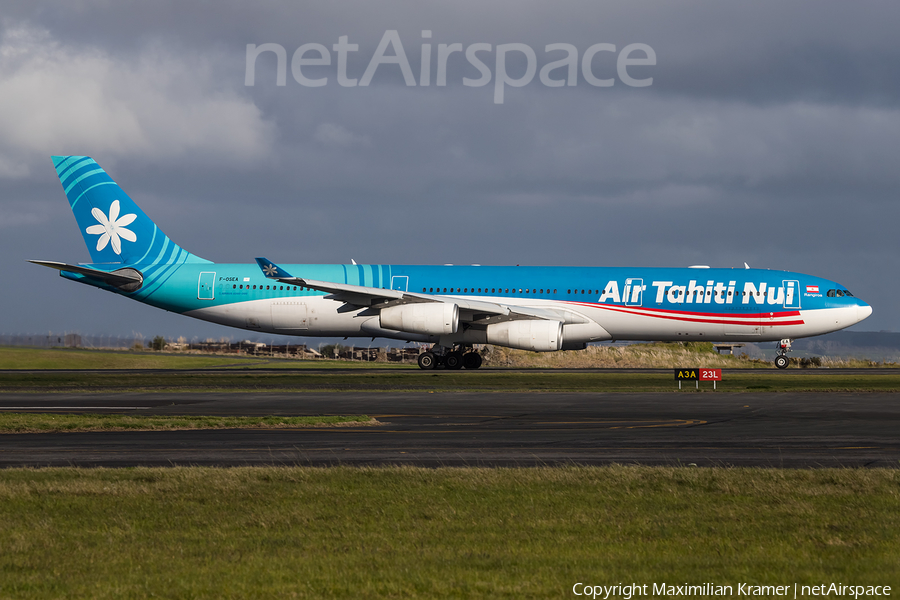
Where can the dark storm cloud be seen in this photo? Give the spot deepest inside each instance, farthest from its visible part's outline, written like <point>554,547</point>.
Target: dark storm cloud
<point>768,136</point>
<point>760,51</point>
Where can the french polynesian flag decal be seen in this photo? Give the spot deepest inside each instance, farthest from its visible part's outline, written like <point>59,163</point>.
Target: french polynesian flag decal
<point>812,289</point>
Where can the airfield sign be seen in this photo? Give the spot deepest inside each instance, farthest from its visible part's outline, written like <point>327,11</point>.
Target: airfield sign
<point>698,375</point>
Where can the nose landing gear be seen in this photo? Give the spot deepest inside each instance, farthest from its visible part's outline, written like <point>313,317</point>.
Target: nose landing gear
<point>782,361</point>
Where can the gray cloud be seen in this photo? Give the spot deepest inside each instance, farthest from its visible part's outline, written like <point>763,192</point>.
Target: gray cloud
<point>157,105</point>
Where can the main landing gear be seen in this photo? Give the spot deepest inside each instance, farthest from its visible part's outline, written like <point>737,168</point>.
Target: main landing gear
<point>782,361</point>
<point>455,358</point>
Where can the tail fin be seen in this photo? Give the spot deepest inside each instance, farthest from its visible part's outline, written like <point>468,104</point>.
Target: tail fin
<point>114,228</point>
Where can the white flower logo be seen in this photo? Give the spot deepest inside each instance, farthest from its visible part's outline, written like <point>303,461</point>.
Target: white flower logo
<point>112,228</point>
<point>270,270</point>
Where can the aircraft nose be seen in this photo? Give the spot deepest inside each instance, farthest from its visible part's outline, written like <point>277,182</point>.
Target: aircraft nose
<point>862,312</point>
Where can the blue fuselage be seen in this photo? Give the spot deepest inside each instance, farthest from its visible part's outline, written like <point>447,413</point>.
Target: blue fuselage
<point>628,303</point>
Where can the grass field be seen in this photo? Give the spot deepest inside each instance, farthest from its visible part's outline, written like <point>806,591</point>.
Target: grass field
<point>54,422</point>
<point>636,356</point>
<point>446,533</point>
<point>72,358</point>
<point>659,355</point>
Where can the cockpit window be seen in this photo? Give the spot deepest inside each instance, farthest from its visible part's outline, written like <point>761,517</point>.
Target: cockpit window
<point>838,293</point>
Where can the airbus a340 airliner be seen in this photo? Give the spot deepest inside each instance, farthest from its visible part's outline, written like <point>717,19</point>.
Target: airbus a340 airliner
<point>453,307</point>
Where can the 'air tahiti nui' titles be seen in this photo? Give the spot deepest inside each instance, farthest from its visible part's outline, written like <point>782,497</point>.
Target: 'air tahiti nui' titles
<point>693,293</point>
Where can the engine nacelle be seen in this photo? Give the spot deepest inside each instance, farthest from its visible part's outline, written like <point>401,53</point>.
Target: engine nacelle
<point>431,318</point>
<point>534,335</point>
<point>578,334</point>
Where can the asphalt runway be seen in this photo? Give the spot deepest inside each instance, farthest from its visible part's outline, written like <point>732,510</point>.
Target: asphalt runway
<point>482,429</point>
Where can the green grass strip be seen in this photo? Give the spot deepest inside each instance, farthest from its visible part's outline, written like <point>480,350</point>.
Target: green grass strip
<point>439,533</point>
<point>50,422</point>
<point>77,358</point>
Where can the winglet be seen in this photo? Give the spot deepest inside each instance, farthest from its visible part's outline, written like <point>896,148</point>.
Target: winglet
<point>271,270</point>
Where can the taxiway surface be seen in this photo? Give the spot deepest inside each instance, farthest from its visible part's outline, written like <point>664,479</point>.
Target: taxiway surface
<point>482,429</point>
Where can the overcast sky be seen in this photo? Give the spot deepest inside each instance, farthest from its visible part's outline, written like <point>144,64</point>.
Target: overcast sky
<point>770,134</point>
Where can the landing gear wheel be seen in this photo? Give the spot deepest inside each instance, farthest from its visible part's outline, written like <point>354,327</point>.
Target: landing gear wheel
<point>781,361</point>
<point>426,360</point>
<point>453,360</point>
<point>472,360</point>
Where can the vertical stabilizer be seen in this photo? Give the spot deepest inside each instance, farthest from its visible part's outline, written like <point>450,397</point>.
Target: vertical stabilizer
<point>115,229</point>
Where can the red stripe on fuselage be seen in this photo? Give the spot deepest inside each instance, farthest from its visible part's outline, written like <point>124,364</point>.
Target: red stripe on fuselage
<point>695,317</point>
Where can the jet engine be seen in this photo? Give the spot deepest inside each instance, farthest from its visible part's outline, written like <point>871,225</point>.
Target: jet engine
<point>534,335</point>
<point>432,318</point>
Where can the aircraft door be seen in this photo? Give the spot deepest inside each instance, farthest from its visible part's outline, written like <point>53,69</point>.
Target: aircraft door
<point>633,294</point>
<point>205,289</point>
<point>400,283</point>
<point>791,294</point>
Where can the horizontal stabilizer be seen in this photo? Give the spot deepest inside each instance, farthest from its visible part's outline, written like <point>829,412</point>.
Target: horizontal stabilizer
<point>121,278</point>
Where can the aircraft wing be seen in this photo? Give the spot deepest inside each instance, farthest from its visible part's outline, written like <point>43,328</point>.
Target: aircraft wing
<point>472,311</point>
